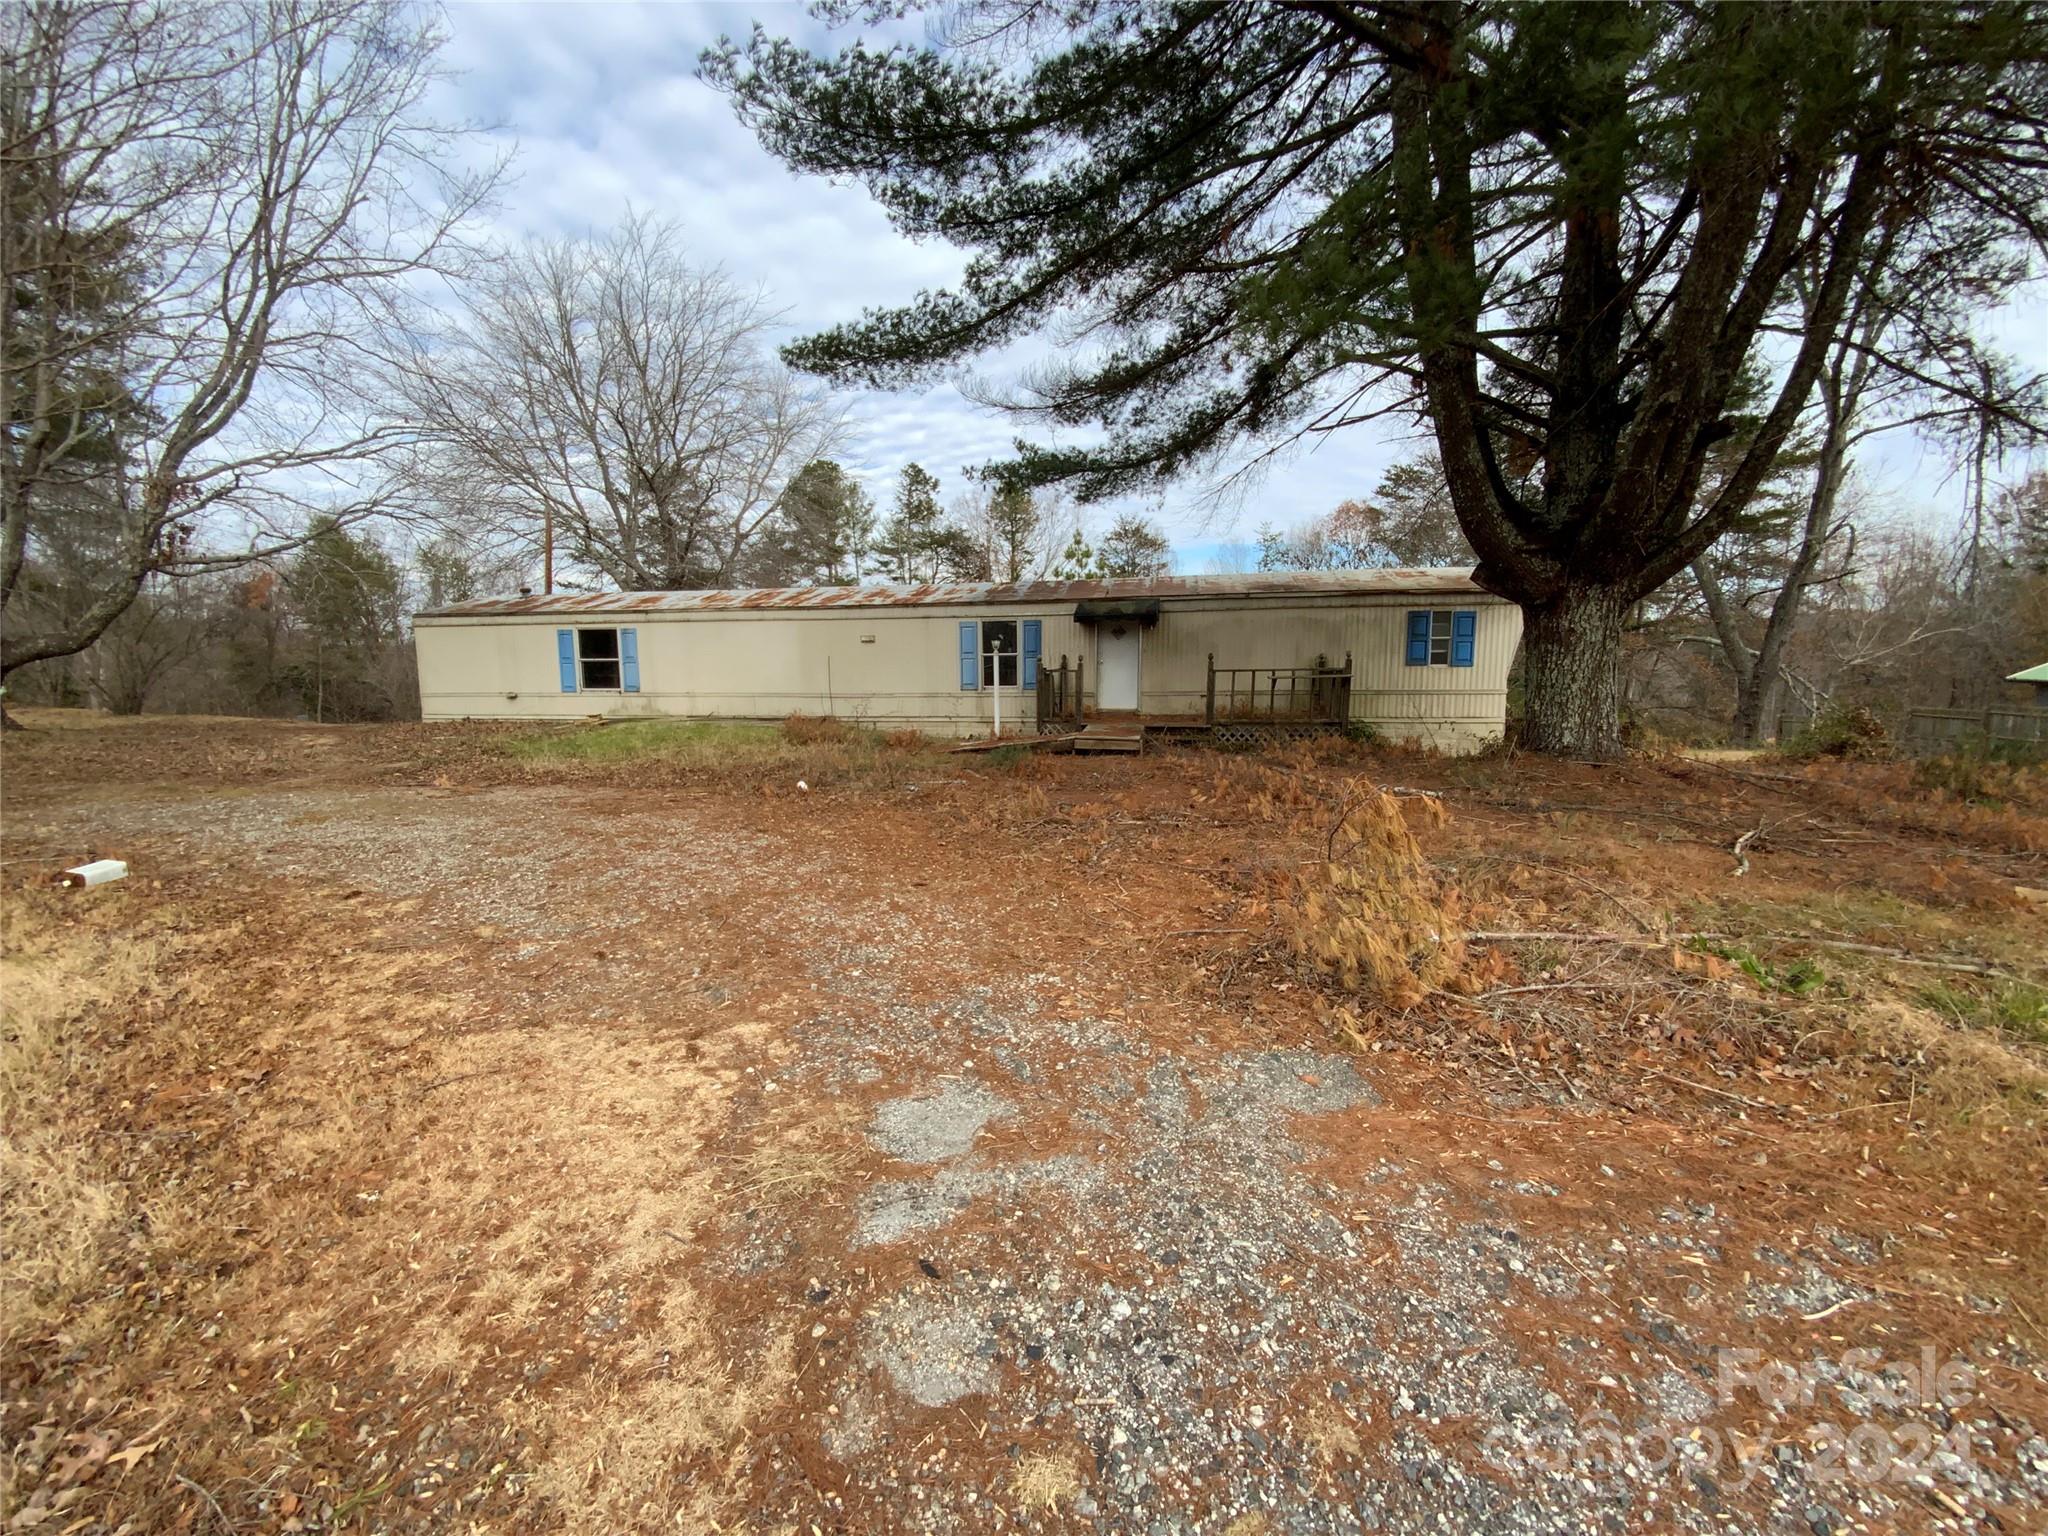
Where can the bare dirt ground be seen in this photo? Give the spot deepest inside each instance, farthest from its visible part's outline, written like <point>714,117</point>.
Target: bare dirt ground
<point>429,1137</point>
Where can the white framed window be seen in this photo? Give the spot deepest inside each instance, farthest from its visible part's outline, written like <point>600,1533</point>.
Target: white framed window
<point>1442,637</point>
<point>1008,648</point>
<point>602,660</point>
<point>999,653</point>
<point>597,659</point>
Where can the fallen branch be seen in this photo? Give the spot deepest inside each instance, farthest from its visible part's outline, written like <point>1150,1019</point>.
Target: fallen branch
<point>1498,935</point>
<point>1939,963</point>
<point>1974,967</point>
<point>1552,986</point>
<point>218,1513</point>
<point>1619,812</point>
<point>1768,780</point>
<point>1742,1099</point>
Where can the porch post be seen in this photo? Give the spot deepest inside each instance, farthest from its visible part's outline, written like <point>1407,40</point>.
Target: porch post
<point>1209,709</point>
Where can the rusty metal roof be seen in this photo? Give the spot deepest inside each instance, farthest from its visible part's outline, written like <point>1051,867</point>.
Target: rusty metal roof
<point>1435,579</point>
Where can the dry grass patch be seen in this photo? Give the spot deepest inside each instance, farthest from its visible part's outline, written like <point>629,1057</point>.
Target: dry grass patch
<point>1332,1436</point>
<point>652,1440</point>
<point>56,1217</point>
<point>792,1162</point>
<point>57,1209</point>
<point>1043,1480</point>
<point>780,1174</point>
<point>1971,1072</point>
<point>734,754</point>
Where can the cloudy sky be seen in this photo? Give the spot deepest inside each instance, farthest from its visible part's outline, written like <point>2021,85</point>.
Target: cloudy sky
<point>602,105</point>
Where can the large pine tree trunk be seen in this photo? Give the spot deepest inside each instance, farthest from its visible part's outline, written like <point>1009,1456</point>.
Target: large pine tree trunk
<point>1571,670</point>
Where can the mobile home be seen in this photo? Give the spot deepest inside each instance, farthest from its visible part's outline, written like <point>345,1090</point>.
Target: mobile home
<point>1424,653</point>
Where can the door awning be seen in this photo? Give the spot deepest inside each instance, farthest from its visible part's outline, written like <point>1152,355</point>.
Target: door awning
<point>1114,610</point>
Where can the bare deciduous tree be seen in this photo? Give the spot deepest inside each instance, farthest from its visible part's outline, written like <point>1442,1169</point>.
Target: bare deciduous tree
<point>624,398</point>
<point>1906,356</point>
<point>212,215</point>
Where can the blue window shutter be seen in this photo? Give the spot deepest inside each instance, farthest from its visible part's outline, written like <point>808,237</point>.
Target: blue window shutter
<point>970,654</point>
<point>565,648</point>
<point>1033,632</point>
<point>1464,630</point>
<point>629,660</point>
<point>1418,638</point>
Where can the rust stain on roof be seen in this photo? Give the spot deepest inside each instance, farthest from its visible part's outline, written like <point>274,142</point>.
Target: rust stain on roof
<point>1257,584</point>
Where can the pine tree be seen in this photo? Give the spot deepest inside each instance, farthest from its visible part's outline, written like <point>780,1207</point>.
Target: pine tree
<point>1133,547</point>
<point>824,526</point>
<point>1564,235</point>
<point>909,545</point>
<point>346,597</point>
<point>1013,532</point>
<point>1079,561</point>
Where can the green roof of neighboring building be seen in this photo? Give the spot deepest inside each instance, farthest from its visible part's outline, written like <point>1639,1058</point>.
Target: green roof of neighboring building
<point>2031,675</point>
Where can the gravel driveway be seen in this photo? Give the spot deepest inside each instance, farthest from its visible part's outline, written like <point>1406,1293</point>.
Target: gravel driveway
<point>995,1232</point>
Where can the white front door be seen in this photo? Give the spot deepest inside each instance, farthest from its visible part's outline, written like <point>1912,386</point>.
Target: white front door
<point>1116,660</point>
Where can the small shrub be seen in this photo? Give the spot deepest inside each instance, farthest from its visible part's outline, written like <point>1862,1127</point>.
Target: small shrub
<point>1842,731</point>
<point>1801,978</point>
<point>812,730</point>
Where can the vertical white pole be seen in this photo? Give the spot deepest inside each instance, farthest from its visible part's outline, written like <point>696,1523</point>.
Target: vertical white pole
<point>996,673</point>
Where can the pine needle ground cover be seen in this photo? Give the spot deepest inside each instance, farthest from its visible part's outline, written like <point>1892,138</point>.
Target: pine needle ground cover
<point>431,1136</point>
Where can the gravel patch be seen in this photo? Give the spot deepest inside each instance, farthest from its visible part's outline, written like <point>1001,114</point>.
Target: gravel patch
<point>906,1207</point>
<point>1227,1336</point>
<point>933,1127</point>
<point>933,1356</point>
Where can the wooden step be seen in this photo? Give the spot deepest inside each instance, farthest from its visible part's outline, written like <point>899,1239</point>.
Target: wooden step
<point>997,743</point>
<point>1111,738</point>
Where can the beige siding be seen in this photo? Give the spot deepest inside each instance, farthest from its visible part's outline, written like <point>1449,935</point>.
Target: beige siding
<point>1453,707</point>
<point>900,666</point>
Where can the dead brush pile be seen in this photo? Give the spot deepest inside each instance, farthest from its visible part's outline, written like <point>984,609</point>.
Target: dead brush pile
<point>1995,805</point>
<point>1368,914</point>
<point>1294,788</point>
<point>1373,916</point>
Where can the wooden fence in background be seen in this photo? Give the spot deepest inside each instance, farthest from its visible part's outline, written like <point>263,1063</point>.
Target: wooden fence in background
<point>1931,732</point>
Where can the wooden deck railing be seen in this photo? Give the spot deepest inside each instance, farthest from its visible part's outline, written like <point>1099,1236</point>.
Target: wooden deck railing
<point>1318,694</point>
<point>1059,696</point>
